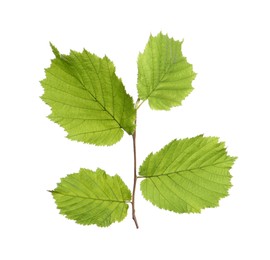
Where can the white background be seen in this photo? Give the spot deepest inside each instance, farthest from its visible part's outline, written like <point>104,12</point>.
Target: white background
<point>228,44</point>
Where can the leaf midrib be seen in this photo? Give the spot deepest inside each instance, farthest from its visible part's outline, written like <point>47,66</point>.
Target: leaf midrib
<point>181,171</point>
<point>90,198</point>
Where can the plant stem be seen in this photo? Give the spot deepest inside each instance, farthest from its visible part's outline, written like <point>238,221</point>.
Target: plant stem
<point>137,105</point>
<point>134,180</point>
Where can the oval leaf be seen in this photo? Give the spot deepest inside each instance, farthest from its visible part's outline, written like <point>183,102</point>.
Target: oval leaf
<point>187,175</point>
<point>87,98</point>
<point>164,75</point>
<point>90,197</point>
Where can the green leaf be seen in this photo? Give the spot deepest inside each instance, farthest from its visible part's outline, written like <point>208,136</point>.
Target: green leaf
<point>164,75</point>
<point>55,51</point>
<point>187,175</point>
<point>90,197</point>
<point>87,98</point>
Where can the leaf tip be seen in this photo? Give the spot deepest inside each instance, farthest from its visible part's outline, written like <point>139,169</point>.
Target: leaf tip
<point>55,51</point>
<point>233,158</point>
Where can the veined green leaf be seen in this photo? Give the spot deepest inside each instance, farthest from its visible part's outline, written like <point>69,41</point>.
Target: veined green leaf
<point>90,197</point>
<point>164,75</point>
<point>87,98</point>
<point>187,175</point>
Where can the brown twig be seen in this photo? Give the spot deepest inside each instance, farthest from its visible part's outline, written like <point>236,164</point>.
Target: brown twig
<point>134,180</point>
